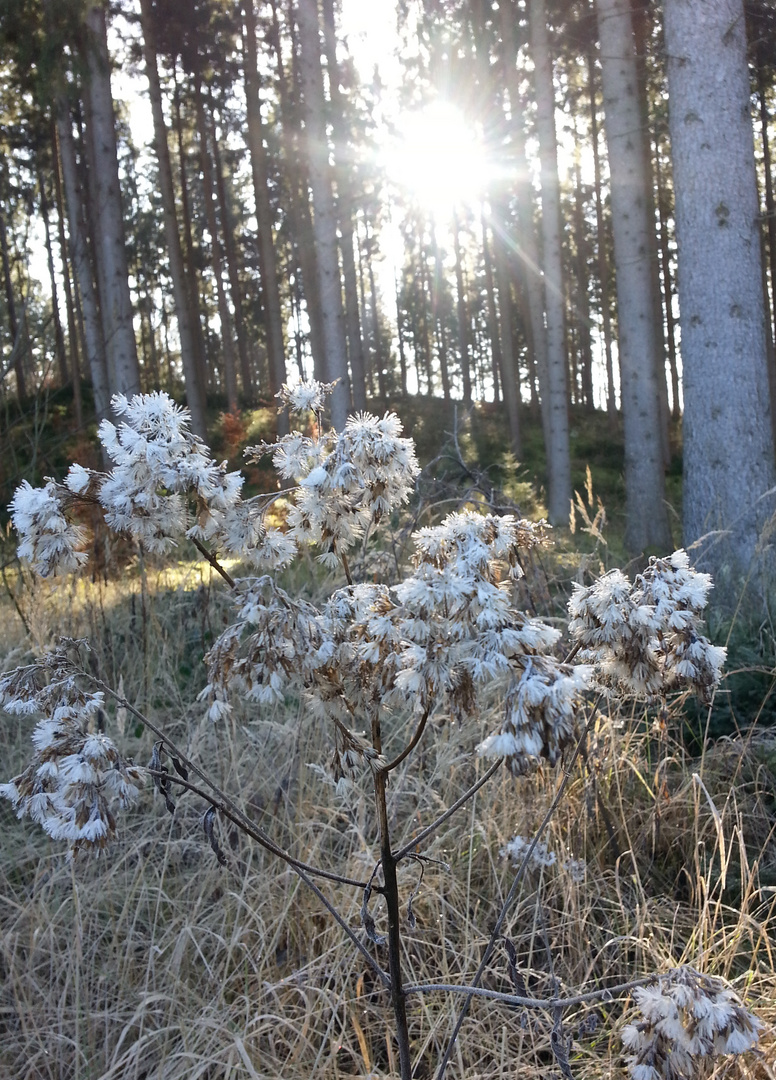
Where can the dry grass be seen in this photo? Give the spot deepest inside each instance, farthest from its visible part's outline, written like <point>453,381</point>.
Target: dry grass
<point>153,962</point>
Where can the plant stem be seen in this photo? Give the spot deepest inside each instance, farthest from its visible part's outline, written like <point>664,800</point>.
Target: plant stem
<point>391,894</point>
<point>495,933</point>
<point>213,562</point>
<point>390,891</point>
<point>410,745</point>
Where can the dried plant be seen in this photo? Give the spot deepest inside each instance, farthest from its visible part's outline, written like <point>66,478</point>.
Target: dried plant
<point>437,643</point>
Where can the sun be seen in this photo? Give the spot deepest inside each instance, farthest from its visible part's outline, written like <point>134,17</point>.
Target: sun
<point>438,160</point>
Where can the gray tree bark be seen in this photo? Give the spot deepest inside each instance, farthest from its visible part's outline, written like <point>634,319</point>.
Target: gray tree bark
<point>510,380</point>
<point>555,403</point>
<point>273,317</point>
<point>115,300</point>
<point>342,152</point>
<point>72,332</point>
<point>523,243</point>
<point>324,214</point>
<point>195,392</point>
<point>603,265</point>
<point>646,516</point>
<point>224,314</point>
<point>728,443</point>
<point>94,346</point>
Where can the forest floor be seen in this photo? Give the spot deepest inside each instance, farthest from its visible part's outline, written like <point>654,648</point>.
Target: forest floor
<point>152,961</point>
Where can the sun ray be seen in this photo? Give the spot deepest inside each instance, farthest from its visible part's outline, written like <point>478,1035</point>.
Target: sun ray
<point>438,159</point>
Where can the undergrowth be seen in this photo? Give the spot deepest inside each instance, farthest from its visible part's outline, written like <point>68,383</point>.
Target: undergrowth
<point>192,953</point>
<point>158,962</point>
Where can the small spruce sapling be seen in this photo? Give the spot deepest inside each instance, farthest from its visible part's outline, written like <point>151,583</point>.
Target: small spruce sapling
<point>446,631</point>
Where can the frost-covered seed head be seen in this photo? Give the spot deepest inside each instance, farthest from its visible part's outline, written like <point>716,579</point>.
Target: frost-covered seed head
<point>687,1019</point>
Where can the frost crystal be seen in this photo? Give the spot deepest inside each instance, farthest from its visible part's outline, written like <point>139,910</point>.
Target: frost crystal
<point>47,539</point>
<point>687,1020</point>
<point>77,780</point>
<point>541,857</point>
<point>645,637</point>
<point>304,396</point>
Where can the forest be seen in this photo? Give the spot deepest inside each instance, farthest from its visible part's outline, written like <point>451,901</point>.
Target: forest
<point>388,413</point>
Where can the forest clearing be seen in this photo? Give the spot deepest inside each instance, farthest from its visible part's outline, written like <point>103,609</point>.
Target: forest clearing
<point>388,489</point>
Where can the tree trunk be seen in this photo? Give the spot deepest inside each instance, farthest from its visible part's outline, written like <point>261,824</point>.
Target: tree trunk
<point>300,223</point>
<point>195,391</point>
<point>440,331</point>
<point>224,314</point>
<point>523,241</point>
<point>232,259</point>
<point>17,351</point>
<point>425,311</point>
<point>556,403</point>
<point>463,318</point>
<point>510,379</point>
<point>59,338</point>
<point>400,332</point>
<point>115,300</point>
<point>640,21</point>
<point>646,524</point>
<point>324,215</point>
<point>668,287</point>
<point>380,360</point>
<point>495,344</point>
<point>342,155</point>
<point>192,277</point>
<point>72,332</point>
<point>728,442</point>
<point>769,237</point>
<point>770,203</point>
<point>603,262</point>
<point>273,316</point>
<point>92,324</point>
<point>582,301</point>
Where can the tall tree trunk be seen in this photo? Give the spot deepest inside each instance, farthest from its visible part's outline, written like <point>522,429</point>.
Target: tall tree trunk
<point>93,342</point>
<point>195,390</point>
<point>115,300</point>
<point>581,300</point>
<point>364,314</point>
<point>232,259</point>
<point>556,403</point>
<point>13,323</point>
<point>769,237</point>
<point>463,318</point>
<point>224,314</point>
<point>273,316</point>
<point>72,331</point>
<point>728,441</point>
<point>342,154</point>
<point>324,215</point>
<point>400,332</point>
<point>495,343</point>
<point>510,380</point>
<point>770,203</point>
<point>522,243</point>
<point>646,518</point>
<point>440,332</point>
<point>300,220</point>
<point>424,310</point>
<point>59,338</point>
<point>192,277</point>
<point>603,262</point>
<point>640,21</point>
<point>668,289</point>
<point>381,361</point>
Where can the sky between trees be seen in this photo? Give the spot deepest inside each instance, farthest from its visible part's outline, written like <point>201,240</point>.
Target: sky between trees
<point>517,202</point>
